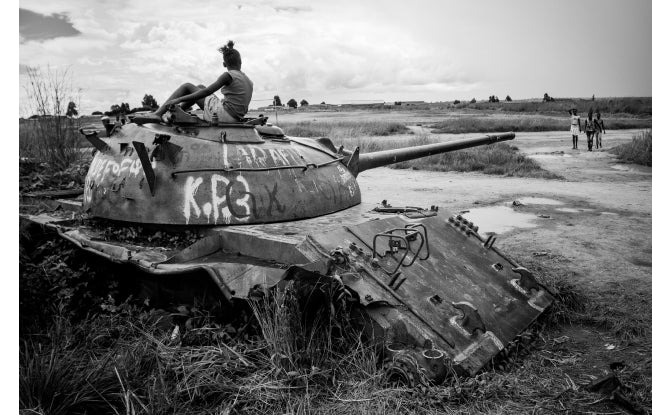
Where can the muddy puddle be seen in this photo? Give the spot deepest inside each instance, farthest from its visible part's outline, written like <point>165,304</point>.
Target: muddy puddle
<point>507,216</point>
<point>499,219</point>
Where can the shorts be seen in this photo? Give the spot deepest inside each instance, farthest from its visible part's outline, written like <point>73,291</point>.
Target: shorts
<point>575,130</point>
<point>213,105</point>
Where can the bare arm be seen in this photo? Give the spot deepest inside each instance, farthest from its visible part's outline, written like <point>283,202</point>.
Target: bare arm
<point>223,80</point>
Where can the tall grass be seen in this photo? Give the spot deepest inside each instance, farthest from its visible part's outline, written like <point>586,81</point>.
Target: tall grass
<point>474,124</point>
<point>342,129</point>
<point>52,136</point>
<point>130,359</point>
<point>497,159</point>
<point>638,151</point>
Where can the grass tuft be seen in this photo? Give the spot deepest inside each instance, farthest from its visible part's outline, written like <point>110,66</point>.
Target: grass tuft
<point>638,151</point>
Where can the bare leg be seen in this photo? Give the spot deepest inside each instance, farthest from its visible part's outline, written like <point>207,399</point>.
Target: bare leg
<point>184,89</point>
<point>187,105</point>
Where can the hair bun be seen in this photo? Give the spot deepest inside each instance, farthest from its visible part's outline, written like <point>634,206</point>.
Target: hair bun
<point>230,44</point>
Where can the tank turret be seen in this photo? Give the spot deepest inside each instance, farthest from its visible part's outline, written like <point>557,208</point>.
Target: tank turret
<point>194,172</point>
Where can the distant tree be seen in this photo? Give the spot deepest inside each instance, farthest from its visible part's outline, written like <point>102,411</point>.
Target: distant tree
<point>150,102</point>
<point>457,101</point>
<point>323,103</point>
<point>97,113</point>
<point>547,98</point>
<point>72,110</point>
<point>115,108</point>
<point>493,98</point>
<point>292,103</point>
<point>473,101</point>
<point>277,101</point>
<point>124,108</point>
<point>593,97</point>
<point>508,98</point>
<point>304,102</point>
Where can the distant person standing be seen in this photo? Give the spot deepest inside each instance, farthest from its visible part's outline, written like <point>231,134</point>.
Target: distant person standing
<point>589,128</point>
<point>575,126</point>
<point>599,130</point>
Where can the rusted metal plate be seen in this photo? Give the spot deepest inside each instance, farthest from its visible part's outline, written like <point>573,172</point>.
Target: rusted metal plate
<point>457,298</point>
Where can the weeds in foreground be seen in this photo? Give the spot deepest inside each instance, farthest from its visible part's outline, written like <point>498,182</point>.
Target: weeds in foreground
<point>133,359</point>
<point>638,151</point>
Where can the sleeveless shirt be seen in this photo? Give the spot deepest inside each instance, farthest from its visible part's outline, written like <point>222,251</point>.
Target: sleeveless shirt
<point>575,119</point>
<point>237,95</point>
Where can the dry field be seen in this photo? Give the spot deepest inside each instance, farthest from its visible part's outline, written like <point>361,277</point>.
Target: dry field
<point>585,230</point>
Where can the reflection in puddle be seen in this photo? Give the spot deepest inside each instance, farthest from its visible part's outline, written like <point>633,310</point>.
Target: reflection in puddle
<point>539,201</point>
<point>568,210</point>
<point>499,219</point>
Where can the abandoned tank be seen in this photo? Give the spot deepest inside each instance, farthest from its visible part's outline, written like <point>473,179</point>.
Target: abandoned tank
<point>272,208</point>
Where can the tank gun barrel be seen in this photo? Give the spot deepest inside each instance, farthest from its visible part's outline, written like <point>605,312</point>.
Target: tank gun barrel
<point>382,158</point>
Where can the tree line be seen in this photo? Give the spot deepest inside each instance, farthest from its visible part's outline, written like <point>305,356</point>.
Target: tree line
<point>148,103</point>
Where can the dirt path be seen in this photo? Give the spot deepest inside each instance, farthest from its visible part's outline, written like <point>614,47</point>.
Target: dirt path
<point>596,224</point>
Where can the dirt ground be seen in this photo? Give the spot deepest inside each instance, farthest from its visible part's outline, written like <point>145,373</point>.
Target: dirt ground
<point>595,226</point>
<point>598,220</point>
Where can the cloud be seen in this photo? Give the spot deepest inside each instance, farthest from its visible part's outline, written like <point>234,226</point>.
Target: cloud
<point>38,27</point>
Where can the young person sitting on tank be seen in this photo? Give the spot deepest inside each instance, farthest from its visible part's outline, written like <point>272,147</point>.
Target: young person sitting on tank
<point>236,87</point>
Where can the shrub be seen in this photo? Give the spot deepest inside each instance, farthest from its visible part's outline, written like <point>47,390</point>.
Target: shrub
<point>51,137</point>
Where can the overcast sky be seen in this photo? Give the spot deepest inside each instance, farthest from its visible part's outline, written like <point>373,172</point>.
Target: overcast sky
<point>342,51</point>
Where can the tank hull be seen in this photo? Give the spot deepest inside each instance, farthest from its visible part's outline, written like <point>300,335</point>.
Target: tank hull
<point>442,290</point>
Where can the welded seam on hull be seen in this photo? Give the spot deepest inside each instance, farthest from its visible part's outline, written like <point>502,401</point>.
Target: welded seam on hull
<point>302,167</point>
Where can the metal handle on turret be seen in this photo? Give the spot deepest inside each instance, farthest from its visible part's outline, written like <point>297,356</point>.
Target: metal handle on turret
<point>382,158</point>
